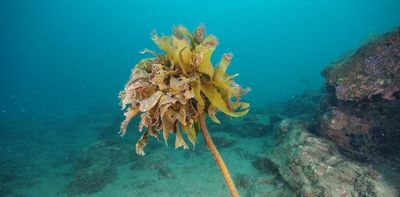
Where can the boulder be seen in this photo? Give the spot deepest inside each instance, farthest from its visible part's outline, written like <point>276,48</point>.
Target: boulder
<point>361,110</point>
<point>313,166</point>
<point>372,71</point>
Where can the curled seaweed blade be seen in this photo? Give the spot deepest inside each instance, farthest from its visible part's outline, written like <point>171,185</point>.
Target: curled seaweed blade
<point>214,118</point>
<point>212,114</point>
<point>147,104</point>
<point>178,46</point>
<point>185,59</point>
<point>241,105</point>
<point>198,34</point>
<point>179,141</point>
<point>181,32</point>
<point>220,71</point>
<point>197,94</point>
<point>215,98</point>
<point>207,48</point>
<point>168,120</point>
<point>128,117</point>
<point>190,133</point>
<point>141,144</point>
<point>164,42</point>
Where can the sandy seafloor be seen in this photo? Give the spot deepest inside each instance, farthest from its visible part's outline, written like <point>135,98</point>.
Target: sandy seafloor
<point>44,164</point>
<point>81,154</point>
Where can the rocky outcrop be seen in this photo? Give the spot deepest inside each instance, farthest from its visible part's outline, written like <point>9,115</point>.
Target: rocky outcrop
<point>368,130</point>
<point>313,166</point>
<point>361,111</point>
<point>372,71</point>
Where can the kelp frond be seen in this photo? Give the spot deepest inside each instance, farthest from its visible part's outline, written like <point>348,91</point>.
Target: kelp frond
<point>172,89</point>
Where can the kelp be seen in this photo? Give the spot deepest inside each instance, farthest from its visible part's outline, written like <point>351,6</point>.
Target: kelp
<point>172,90</point>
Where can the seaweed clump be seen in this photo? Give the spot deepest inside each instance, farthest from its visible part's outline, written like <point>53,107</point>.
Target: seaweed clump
<point>175,91</point>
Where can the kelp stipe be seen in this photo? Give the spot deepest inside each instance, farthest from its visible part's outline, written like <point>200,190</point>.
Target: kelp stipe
<point>175,91</point>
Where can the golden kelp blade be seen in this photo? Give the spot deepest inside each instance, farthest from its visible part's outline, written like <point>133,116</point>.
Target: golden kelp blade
<point>164,43</point>
<point>184,60</point>
<point>241,105</point>
<point>216,100</point>
<point>214,118</point>
<point>182,33</point>
<point>207,48</point>
<point>222,66</point>
<point>212,114</point>
<point>197,94</point>
<point>178,46</point>
<point>179,141</point>
<point>191,134</point>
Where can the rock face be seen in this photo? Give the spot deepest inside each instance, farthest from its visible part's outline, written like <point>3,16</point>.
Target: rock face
<point>313,166</point>
<point>372,71</point>
<point>361,111</point>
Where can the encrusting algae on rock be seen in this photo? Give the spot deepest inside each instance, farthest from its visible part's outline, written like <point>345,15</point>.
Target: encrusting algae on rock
<point>175,90</point>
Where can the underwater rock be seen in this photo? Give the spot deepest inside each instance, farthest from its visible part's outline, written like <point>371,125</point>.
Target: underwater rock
<point>313,166</point>
<point>360,112</point>
<point>372,71</point>
<point>283,126</point>
<point>368,132</point>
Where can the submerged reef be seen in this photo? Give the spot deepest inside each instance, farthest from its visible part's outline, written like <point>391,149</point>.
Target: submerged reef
<point>345,142</point>
<point>296,161</point>
<point>361,111</point>
<point>175,91</point>
<point>313,166</point>
<point>372,72</point>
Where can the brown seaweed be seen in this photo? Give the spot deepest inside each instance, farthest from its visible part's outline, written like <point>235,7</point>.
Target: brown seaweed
<point>175,90</point>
